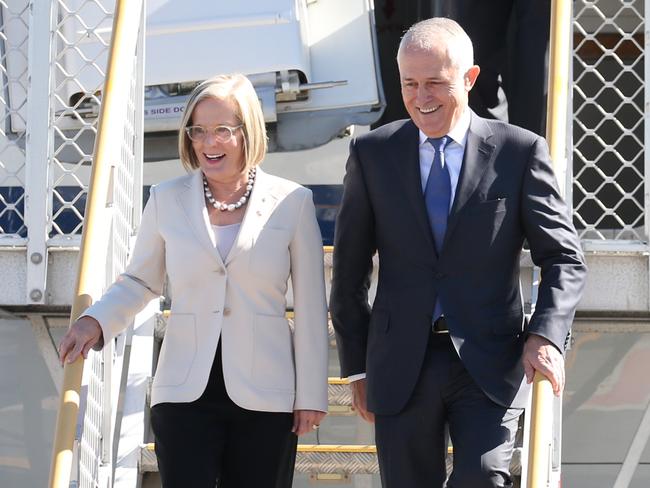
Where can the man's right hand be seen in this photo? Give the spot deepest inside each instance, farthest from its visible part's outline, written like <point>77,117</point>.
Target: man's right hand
<point>359,403</point>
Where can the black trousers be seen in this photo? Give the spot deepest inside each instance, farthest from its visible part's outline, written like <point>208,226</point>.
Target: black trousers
<point>212,441</point>
<point>412,445</point>
<point>510,40</point>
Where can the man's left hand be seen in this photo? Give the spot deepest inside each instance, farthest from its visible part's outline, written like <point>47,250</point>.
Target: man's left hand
<point>541,355</point>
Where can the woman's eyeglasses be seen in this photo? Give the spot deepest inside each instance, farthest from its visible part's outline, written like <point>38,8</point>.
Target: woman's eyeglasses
<point>222,133</point>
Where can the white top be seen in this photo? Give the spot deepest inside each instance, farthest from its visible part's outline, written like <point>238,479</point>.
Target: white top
<point>225,236</point>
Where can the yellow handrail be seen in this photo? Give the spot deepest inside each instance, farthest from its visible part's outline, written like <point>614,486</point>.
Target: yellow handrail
<point>541,433</point>
<point>126,23</point>
<point>541,414</point>
<point>558,87</point>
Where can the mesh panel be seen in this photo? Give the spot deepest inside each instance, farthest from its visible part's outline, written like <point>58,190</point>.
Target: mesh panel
<point>81,48</point>
<point>13,100</point>
<point>124,190</point>
<point>608,157</point>
<point>90,444</point>
<point>78,72</point>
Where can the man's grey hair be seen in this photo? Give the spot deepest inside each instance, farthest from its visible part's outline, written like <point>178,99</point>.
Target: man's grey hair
<point>429,33</point>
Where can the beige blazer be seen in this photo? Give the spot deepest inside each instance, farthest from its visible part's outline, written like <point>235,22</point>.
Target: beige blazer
<point>267,365</point>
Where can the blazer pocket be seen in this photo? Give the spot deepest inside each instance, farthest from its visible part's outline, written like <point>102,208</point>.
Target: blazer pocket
<point>178,350</point>
<point>490,206</point>
<point>273,358</point>
<point>270,254</point>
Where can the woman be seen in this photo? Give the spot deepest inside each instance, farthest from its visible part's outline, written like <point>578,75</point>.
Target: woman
<point>234,384</point>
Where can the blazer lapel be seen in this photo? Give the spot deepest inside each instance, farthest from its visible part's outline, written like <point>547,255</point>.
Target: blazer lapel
<point>407,152</point>
<point>260,206</point>
<point>478,153</point>
<point>193,204</point>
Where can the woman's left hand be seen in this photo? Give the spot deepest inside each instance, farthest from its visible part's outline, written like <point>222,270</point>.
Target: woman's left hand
<point>306,421</point>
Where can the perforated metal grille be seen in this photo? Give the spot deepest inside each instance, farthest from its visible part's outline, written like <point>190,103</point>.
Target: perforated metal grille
<point>126,187</point>
<point>90,443</point>
<point>78,70</point>
<point>14,22</point>
<point>81,47</point>
<point>608,130</point>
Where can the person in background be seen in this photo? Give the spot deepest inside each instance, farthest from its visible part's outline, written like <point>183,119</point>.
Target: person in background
<point>511,39</point>
<point>446,199</point>
<point>235,383</point>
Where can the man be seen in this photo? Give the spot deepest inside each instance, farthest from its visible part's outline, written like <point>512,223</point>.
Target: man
<point>446,199</point>
<point>511,39</point>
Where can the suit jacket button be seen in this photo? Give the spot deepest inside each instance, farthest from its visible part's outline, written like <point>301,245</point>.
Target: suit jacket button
<point>221,271</point>
<point>226,312</point>
<point>440,275</point>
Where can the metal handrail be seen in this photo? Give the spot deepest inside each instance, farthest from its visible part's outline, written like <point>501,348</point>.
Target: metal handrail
<point>541,433</point>
<point>558,88</point>
<point>126,23</point>
<point>542,407</point>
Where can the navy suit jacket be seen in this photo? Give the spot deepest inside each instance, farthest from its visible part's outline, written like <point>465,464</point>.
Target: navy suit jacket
<point>507,193</point>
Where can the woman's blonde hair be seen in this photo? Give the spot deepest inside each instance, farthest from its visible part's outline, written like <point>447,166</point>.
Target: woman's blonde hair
<point>237,89</point>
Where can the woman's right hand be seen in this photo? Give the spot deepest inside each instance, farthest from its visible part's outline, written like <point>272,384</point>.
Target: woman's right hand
<point>81,336</point>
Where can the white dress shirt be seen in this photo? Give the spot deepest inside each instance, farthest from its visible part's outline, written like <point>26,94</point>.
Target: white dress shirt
<point>453,158</point>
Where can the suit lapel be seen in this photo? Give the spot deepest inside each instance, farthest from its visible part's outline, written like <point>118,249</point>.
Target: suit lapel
<point>406,151</point>
<point>478,154</point>
<point>193,204</point>
<point>260,206</point>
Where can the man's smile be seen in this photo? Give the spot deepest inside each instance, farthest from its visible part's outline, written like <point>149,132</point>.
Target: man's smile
<point>428,110</point>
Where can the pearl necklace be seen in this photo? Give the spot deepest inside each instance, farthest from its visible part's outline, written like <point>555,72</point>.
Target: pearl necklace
<point>230,207</point>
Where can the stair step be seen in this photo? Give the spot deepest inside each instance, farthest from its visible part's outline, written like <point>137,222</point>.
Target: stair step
<point>310,459</point>
<point>339,396</point>
<point>328,461</point>
<point>341,460</point>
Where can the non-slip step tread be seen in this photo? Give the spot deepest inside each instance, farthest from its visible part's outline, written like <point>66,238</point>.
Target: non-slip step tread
<point>329,459</point>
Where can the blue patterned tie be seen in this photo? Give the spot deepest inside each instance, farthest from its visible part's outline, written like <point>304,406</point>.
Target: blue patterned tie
<point>437,195</point>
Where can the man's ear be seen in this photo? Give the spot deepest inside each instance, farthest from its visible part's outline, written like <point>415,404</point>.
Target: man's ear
<point>470,77</point>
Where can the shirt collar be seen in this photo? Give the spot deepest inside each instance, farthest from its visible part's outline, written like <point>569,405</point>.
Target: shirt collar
<point>458,133</point>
